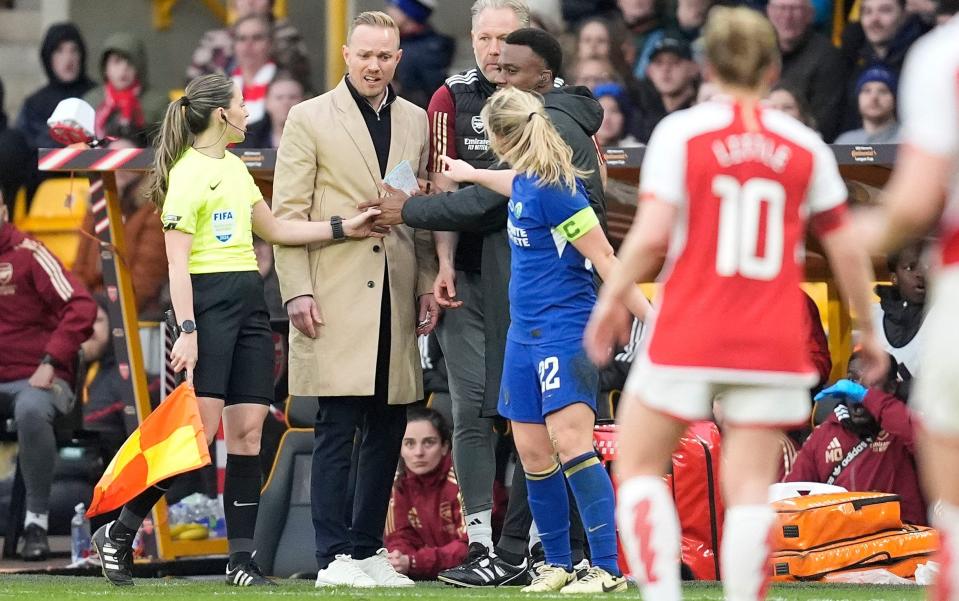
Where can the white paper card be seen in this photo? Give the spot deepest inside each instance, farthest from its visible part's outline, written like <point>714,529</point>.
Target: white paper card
<point>402,178</point>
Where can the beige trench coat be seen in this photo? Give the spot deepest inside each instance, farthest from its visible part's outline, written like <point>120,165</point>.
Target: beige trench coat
<point>326,165</point>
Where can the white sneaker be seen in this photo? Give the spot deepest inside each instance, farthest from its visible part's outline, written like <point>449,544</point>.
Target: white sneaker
<point>344,571</point>
<point>379,569</point>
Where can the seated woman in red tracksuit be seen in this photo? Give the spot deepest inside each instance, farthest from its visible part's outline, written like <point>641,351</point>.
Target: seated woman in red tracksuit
<point>425,531</point>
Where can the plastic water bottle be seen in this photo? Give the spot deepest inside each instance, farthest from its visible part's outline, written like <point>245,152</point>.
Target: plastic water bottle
<point>79,535</point>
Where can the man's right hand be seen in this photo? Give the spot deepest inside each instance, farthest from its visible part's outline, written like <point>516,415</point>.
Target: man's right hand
<point>43,377</point>
<point>444,288</point>
<point>390,206</point>
<point>304,315</point>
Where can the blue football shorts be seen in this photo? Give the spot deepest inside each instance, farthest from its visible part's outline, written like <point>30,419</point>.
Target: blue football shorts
<point>542,378</point>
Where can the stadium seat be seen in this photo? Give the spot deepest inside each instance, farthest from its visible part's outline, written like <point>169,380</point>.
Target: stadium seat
<point>284,528</point>
<point>606,406</point>
<point>54,219</point>
<point>19,207</point>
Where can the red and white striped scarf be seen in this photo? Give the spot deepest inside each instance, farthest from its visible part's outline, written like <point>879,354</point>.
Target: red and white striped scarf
<point>254,92</point>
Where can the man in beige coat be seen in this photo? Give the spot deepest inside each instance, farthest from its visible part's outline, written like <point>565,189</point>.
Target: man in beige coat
<point>356,306</point>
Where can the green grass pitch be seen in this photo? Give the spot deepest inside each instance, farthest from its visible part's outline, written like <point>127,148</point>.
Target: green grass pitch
<point>63,588</point>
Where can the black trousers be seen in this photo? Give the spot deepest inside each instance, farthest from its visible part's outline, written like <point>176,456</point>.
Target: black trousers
<point>378,429</point>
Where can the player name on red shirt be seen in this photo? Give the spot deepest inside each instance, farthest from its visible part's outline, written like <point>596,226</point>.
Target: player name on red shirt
<point>741,148</point>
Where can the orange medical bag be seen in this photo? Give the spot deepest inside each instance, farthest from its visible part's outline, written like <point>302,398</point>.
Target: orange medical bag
<point>898,551</point>
<point>815,520</point>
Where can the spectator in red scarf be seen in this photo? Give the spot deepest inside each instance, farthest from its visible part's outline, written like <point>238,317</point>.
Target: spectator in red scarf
<point>214,54</point>
<point>125,105</point>
<point>255,69</point>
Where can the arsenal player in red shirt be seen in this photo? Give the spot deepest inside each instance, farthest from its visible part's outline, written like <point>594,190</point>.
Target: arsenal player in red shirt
<point>727,189</point>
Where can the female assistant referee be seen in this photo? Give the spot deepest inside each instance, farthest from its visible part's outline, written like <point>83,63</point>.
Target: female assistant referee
<point>209,208</point>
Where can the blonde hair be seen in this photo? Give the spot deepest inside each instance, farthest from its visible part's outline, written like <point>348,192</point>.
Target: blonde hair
<point>184,119</point>
<point>740,45</point>
<point>373,18</point>
<point>519,7</point>
<point>522,136</point>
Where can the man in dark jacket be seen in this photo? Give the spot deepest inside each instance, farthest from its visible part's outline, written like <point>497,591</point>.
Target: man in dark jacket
<point>427,54</point>
<point>456,130</point>
<point>811,65</point>
<point>64,58</point>
<point>671,84</point>
<point>901,311</point>
<point>881,37</point>
<point>45,314</point>
<point>577,117</point>
<point>16,158</point>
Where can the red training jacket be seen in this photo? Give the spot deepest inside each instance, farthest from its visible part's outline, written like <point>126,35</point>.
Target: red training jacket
<point>426,521</point>
<point>44,309</point>
<point>886,465</point>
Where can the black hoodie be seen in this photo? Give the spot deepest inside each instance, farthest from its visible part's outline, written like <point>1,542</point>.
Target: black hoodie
<point>901,319</point>
<point>39,106</point>
<point>577,117</point>
<point>16,159</point>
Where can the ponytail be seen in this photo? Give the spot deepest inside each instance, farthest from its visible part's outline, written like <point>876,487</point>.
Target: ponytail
<point>184,119</point>
<point>522,136</point>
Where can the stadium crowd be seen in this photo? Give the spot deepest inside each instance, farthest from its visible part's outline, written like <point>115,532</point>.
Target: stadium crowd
<point>610,71</point>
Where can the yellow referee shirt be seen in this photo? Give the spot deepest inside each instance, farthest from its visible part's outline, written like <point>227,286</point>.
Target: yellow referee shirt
<point>212,199</point>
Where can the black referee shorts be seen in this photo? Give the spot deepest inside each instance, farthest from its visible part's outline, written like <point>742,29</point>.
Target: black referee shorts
<point>234,338</point>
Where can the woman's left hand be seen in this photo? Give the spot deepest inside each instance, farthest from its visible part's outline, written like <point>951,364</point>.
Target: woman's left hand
<point>362,226</point>
<point>457,170</point>
<point>184,355</point>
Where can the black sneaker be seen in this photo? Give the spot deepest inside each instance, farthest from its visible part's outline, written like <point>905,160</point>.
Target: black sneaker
<point>536,558</point>
<point>116,558</point>
<point>35,545</point>
<point>247,574</point>
<point>537,555</point>
<point>581,569</point>
<point>483,568</point>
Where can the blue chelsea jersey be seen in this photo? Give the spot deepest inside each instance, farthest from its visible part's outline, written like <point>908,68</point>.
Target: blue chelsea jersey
<point>551,289</point>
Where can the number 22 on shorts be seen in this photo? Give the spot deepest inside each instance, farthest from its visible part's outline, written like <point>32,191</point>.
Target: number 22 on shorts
<point>548,374</point>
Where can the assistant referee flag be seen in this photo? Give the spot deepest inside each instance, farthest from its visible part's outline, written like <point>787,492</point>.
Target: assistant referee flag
<point>170,441</point>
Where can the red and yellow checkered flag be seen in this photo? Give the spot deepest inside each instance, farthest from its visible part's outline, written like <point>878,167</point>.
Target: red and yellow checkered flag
<point>170,441</point>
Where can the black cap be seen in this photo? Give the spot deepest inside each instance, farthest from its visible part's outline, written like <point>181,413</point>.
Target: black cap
<point>677,46</point>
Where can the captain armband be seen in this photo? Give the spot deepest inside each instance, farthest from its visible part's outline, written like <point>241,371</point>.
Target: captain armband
<point>579,224</point>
